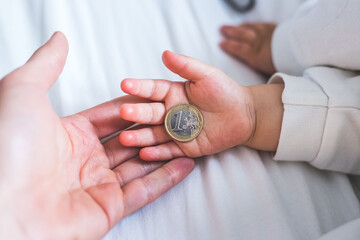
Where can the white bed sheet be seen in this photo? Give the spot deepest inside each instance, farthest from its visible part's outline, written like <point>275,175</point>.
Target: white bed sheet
<point>237,194</point>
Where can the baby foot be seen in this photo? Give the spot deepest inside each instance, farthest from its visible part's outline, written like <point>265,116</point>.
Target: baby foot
<point>250,43</point>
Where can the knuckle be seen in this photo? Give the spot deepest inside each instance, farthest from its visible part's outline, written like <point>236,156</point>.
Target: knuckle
<point>251,34</point>
<point>152,113</point>
<point>109,153</point>
<point>170,175</point>
<point>149,195</point>
<point>145,168</point>
<point>152,89</point>
<point>120,178</point>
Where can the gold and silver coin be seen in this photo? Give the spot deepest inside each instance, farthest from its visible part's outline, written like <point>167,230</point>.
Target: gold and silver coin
<point>184,122</point>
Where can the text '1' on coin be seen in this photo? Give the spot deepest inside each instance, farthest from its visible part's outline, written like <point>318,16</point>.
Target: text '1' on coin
<point>184,122</point>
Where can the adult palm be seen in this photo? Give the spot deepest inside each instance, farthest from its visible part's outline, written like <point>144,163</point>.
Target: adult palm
<point>58,180</point>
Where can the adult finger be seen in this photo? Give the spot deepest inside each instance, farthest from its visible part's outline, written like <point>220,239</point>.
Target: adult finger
<point>106,117</point>
<point>135,168</point>
<point>147,189</point>
<point>44,66</point>
<point>161,152</point>
<point>118,153</point>
<point>144,113</point>
<point>144,137</point>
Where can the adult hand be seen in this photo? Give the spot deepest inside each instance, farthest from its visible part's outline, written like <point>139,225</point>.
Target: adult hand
<point>58,181</point>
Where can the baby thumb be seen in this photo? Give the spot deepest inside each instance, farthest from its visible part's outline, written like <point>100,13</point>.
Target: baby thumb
<point>187,67</point>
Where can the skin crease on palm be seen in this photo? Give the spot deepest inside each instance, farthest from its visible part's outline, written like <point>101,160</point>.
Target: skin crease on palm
<point>227,108</point>
<point>57,180</point>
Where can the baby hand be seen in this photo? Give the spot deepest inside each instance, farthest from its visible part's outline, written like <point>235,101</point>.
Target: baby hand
<point>250,43</point>
<point>227,109</point>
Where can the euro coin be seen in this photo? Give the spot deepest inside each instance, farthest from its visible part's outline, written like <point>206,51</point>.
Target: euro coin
<point>184,122</point>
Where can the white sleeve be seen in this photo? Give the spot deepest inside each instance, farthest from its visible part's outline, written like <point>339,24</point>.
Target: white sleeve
<point>348,231</point>
<point>321,33</point>
<point>321,122</point>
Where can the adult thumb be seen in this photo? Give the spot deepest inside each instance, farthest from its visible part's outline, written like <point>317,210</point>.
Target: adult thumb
<point>45,65</point>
